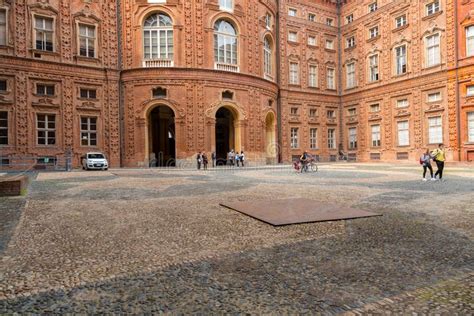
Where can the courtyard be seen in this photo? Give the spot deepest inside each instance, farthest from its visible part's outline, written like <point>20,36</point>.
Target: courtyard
<point>153,240</point>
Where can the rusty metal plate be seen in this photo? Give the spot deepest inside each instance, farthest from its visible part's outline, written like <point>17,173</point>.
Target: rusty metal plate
<point>296,211</point>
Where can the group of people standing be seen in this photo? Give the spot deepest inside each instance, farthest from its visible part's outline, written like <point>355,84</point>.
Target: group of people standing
<point>233,158</point>
<point>236,158</point>
<point>439,157</point>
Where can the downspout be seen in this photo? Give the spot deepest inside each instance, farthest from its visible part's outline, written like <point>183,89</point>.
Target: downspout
<point>278,79</point>
<point>458,101</point>
<point>120,87</point>
<point>339,74</point>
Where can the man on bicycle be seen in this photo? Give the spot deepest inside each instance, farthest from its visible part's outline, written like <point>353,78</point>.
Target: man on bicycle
<point>304,161</point>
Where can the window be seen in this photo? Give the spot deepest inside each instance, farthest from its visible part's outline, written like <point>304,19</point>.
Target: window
<point>3,27</point>
<point>225,43</point>
<point>159,92</point>
<point>158,37</point>
<point>470,40</point>
<point>313,76</point>
<point>87,40</point>
<point>375,131</point>
<point>352,111</point>
<point>352,138</point>
<point>329,44</point>
<point>373,7</point>
<point>401,21</point>
<point>44,33</point>
<point>268,21</point>
<point>46,129</point>
<point>434,97</point>
<point>292,12</point>
<point>435,130</point>
<point>227,95</point>
<point>294,73</point>
<point>331,78</point>
<point>267,57</point>
<point>374,68</point>
<point>88,94</point>
<point>329,22</point>
<point>3,128</point>
<point>312,40</point>
<point>350,75</point>
<point>432,8</point>
<point>350,42</point>
<point>45,90</point>
<point>470,127</point>
<point>349,19</point>
<point>374,32</point>
<point>292,36</point>
<point>331,114</point>
<point>403,133</point>
<point>88,131</point>
<point>226,5</point>
<point>401,59</point>
<point>294,137</point>
<point>470,91</point>
<point>3,85</point>
<point>375,107</point>
<point>403,103</point>
<point>313,112</point>
<point>433,54</point>
<point>331,138</point>
<point>294,111</point>
<point>313,138</point>
<point>311,17</point>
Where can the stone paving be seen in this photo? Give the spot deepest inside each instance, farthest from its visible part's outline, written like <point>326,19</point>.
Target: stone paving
<point>146,241</point>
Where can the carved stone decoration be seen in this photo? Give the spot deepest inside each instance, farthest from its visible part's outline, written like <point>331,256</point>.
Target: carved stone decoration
<point>66,31</point>
<point>68,112</point>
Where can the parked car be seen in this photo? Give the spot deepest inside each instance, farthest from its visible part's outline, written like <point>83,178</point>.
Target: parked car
<point>95,160</point>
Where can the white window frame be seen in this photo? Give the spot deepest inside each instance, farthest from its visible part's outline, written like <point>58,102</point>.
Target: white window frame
<point>403,133</point>
<point>401,21</point>
<point>329,21</point>
<point>402,103</point>
<point>293,36</point>
<point>267,57</point>
<point>331,138</point>
<point>268,21</point>
<point>434,97</point>
<point>292,12</point>
<point>470,126</point>
<point>373,7</point>
<point>350,42</point>
<point>350,18</point>
<point>313,138</point>
<point>374,32</point>
<point>226,5</point>
<point>86,134</point>
<point>470,90</point>
<point>433,50</point>
<point>374,74</point>
<point>374,107</point>
<point>401,60</point>
<point>313,76</point>
<point>331,78</point>
<point>294,73</point>
<point>350,75</point>
<point>4,27</point>
<point>155,32</point>
<point>226,39</point>
<point>352,138</point>
<point>48,131</point>
<point>294,139</point>
<point>435,130</point>
<point>311,17</point>
<point>375,135</point>
<point>87,38</point>
<point>433,7</point>
<point>329,44</point>
<point>312,41</point>
<point>470,41</point>
<point>44,32</point>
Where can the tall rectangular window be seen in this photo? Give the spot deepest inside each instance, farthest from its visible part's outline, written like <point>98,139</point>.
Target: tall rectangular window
<point>435,130</point>
<point>470,127</point>
<point>329,44</point>
<point>313,138</point>
<point>349,18</point>
<point>3,128</point>
<point>46,129</point>
<point>3,85</point>
<point>433,53</point>
<point>226,5</point>
<point>432,8</point>
<point>470,40</point>
<point>350,75</point>
<point>313,76</point>
<point>294,137</point>
<point>375,135</point>
<point>374,32</point>
<point>352,138</point>
<point>3,27</point>
<point>401,59</point>
<point>87,35</point>
<point>350,42</point>
<point>294,73</point>
<point>331,138</point>
<point>470,91</point>
<point>331,78</point>
<point>403,133</point>
<point>374,68</point>
<point>373,7</point>
<point>401,21</point>
<point>312,40</point>
<point>89,131</point>
<point>44,33</point>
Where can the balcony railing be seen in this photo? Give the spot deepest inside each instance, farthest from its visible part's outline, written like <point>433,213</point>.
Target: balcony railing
<point>226,67</point>
<point>157,63</point>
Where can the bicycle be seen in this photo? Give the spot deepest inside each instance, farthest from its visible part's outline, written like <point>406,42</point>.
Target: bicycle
<point>309,166</point>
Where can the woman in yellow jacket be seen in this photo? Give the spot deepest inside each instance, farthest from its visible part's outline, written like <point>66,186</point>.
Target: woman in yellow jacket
<point>439,156</point>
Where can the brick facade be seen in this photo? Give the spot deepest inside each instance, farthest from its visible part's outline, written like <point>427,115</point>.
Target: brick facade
<point>148,89</point>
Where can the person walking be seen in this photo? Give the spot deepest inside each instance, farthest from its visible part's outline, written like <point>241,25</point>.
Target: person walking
<point>237,159</point>
<point>242,158</point>
<point>213,157</point>
<point>199,160</point>
<point>439,156</point>
<point>231,157</point>
<point>205,161</point>
<point>425,161</point>
<point>304,161</point>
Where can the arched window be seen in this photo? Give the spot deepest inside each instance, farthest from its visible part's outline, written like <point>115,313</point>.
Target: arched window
<point>225,43</point>
<point>158,37</point>
<point>267,57</point>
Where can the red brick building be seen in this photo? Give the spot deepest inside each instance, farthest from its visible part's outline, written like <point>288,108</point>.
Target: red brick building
<point>159,80</point>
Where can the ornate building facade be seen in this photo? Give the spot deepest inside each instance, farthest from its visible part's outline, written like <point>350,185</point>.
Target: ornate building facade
<point>156,81</point>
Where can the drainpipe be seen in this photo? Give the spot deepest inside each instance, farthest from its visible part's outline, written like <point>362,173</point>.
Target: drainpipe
<point>458,101</point>
<point>278,81</point>
<point>120,87</point>
<point>339,71</point>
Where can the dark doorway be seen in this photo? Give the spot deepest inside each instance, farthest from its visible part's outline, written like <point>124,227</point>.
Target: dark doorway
<point>162,137</point>
<point>224,134</point>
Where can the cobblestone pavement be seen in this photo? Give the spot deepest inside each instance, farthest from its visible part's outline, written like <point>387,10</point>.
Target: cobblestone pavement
<point>134,241</point>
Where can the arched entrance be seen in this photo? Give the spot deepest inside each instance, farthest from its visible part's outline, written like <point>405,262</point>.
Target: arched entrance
<point>225,134</point>
<point>270,140</point>
<point>161,137</point>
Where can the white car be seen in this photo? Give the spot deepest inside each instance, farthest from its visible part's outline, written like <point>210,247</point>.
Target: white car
<point>95,161</point>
